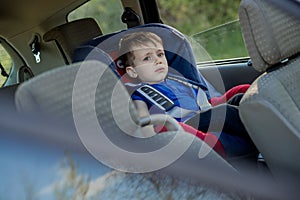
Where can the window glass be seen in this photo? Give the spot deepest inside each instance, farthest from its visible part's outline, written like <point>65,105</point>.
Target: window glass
<point>6,63</point>
<point>106,13</point>
<point>210,25</point>
<point>222,42</point>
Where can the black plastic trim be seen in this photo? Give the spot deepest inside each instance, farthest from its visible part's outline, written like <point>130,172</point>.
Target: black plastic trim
<point>150,11</point>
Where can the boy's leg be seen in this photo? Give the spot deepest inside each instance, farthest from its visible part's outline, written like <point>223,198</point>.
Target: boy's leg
<point>236,146</point>
<point>235,100</point>
<point>222,118</point>
<point>229,94</point>
<point>224,144</point>
<point>225,120</point>
<point>209,138</point>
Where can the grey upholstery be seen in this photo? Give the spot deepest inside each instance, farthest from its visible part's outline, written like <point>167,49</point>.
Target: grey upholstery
<point>71,35</point>
<point>81,91</point>
<point>270,108</point>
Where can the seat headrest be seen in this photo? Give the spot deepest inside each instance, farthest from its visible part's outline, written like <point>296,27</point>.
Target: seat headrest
<point>270,34</point>
<point>88,88</point>
<point>178,49</point>
<point>72,34</point>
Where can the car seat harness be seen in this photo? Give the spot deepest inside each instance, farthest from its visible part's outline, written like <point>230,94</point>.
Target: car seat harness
<point>161,101</point>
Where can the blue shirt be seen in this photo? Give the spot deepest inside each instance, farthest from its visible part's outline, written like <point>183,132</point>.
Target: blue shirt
<point>182,96</point>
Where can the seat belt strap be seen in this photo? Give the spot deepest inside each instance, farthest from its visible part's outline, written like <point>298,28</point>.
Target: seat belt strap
<point>163,102</point>
<point>202,100</point>
<point>155,97</point>
<point>160,100</point>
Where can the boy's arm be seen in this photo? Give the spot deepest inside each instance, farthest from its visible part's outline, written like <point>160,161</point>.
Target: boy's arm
<point>142,109</point>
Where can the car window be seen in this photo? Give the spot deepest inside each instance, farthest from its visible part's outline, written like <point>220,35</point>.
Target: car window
<point>5,64</point>
<point>222,42</point>
<point>213,28</point>
<point>106,13</point>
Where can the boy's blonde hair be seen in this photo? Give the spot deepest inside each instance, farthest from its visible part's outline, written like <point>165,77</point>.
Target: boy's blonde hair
<point>134,40</point>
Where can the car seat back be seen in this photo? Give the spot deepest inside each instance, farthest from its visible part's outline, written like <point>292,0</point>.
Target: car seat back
<point>178,52</point>
<point>87,95</point>
<point>7,98</point>
<point>270,107</point>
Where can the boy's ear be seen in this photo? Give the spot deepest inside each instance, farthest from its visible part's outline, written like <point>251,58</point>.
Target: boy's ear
<point>131,72</point>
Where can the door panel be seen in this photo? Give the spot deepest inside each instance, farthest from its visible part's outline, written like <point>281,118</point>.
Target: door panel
<point>226,76</point>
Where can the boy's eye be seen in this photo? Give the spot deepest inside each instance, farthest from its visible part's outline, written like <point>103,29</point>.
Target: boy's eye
<point>147,58</point>
<point>160,54</point>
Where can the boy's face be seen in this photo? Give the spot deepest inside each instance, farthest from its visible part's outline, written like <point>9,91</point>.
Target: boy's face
<point>149,63</point>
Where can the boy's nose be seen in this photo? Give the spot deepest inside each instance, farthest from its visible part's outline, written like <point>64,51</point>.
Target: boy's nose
<point>158,60</point>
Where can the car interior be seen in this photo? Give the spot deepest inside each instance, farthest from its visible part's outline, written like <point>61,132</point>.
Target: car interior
<point>67,83</point>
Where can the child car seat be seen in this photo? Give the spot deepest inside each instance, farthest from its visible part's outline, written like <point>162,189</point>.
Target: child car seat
<point>178,52</point>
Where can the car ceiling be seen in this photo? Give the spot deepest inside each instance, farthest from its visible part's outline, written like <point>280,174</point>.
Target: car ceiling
<point>17,16</point>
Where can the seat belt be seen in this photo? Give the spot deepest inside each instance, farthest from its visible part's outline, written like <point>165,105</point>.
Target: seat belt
<point>156,97</point>
<point>160,100</point>
<point>3,72</point>
<point>202,100</point>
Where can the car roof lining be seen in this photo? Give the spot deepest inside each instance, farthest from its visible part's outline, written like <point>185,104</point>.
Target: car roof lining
<point>28,14</point>
<point>31,13</point>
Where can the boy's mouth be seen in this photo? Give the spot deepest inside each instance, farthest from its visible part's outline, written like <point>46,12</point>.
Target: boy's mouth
<point>160,69</point>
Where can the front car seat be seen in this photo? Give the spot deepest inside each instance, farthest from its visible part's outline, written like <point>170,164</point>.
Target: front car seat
<point>88,96</point>
<point>270,108</point>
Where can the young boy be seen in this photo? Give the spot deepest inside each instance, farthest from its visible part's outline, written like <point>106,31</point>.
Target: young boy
<point>144,60</point>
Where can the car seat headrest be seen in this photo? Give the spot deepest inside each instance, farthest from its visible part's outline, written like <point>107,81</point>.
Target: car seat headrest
<point>71,35</point>
<point>86,90</point>
<point>178,49</point>
<point>270,34</point>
